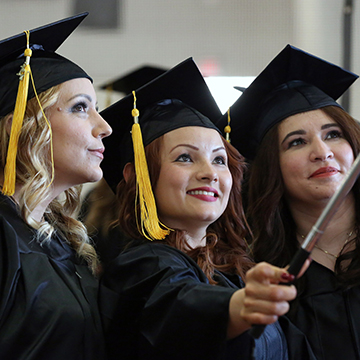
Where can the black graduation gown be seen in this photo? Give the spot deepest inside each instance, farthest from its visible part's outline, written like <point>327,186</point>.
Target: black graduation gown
<point>329,315</point>
<point>152,292</point>
<point>48,297</point>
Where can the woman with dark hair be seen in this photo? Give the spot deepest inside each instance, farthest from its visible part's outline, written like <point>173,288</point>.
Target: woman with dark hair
<point>182,295</point>
<point>275,213</point>
<point>301,145</point>
<point>50,143</point>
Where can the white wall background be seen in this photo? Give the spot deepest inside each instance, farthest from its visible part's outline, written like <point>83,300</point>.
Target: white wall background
<point>239,36</point>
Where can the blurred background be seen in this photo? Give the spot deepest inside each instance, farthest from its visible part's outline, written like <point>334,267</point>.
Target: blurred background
<point>226,38</point>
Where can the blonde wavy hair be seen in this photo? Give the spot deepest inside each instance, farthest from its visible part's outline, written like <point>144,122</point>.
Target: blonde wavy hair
<point>33,173</point>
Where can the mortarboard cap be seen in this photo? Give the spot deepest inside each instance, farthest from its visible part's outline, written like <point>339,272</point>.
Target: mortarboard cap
<point>178,98</point>
<point>29,60</point>
<point>293,82</point>
<point>48,68</point>
<point>134,79</point>
<point>183,82</point>
<point>240,88</point>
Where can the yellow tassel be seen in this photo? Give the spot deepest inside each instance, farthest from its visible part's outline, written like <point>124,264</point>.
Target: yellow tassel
<point>150,226</point>
<point>17,121</point>
<point>50,130</point>
<point>227,129</point>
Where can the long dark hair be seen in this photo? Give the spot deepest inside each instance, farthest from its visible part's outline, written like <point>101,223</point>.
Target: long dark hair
<point>226,247</point>
<point>268,213</point>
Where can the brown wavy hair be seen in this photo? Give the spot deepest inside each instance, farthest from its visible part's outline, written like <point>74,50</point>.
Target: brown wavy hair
<point>102,209</point>
<point>269,216</point>
<point>226,248</point>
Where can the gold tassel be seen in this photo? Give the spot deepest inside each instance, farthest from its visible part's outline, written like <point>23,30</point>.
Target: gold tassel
<point>17,121</point>
<point>50,130</point>
<point>150,226</point>
<point>227,129</point>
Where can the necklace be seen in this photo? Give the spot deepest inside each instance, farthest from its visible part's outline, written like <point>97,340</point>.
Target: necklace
<point>329,253</point>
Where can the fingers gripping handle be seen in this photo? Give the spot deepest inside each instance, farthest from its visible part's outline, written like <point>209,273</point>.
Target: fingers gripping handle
<point>295,266</point>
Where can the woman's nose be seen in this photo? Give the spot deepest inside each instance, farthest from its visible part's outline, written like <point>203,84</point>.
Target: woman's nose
<point>321,151</point>
<point>102,128</point>
<point>208,173</point>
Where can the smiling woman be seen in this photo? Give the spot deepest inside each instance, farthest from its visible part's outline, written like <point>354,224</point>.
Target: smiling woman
<point>77,129</point>
<point>314,158</point>
<point>182,295</point>
<point>194,181</point>
<point>50,142</point>
<point>302,145</point>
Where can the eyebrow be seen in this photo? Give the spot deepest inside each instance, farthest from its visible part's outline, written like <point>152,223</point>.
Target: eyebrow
<point>195,147</point>
<point>88,97</point>
<point>303,132</point>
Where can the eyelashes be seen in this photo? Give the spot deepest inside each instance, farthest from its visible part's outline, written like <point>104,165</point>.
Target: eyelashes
<point>333,134</point>
<point>79,107</point>
<point>219,160</point>
<point>183,158</point>
<point>295,142</point>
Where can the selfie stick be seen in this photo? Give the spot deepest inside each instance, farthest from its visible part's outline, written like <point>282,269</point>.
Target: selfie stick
<point>317,230</point>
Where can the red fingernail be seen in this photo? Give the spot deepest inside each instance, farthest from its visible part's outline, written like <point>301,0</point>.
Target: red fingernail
<point>288,277</point>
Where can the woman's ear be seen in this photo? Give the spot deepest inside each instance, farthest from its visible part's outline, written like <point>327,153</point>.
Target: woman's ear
<point>128,171</point>
<point>8,124</point>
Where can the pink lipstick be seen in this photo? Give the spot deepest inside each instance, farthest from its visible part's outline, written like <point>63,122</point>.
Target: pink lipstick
<point>204,193</point>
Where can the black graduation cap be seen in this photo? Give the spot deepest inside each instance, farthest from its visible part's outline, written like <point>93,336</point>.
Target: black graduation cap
<point>240,88</point>
<point>26,58</point>
<point>134,79</point>
<point>178,98</point>
<point>48,68</point>
<point>293,82</point>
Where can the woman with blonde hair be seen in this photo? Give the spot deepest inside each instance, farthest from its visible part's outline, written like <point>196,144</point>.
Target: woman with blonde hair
<point>50,143</point>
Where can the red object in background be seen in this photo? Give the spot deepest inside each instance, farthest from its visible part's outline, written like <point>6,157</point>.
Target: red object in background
<point>209,67</point>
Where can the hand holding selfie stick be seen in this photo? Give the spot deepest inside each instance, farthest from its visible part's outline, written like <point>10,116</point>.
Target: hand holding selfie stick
<point>317,230</point>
